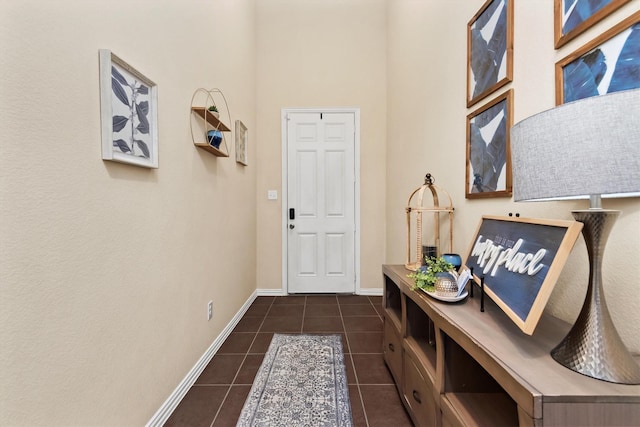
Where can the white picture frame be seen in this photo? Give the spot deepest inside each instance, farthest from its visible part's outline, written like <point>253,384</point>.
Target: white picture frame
<point>128,113</point>
<point>242,143</point>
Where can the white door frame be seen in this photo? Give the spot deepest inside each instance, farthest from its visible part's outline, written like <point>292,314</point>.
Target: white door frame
<point>285,179</point>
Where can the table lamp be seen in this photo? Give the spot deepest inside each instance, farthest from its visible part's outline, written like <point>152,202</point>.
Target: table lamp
<point>587,149</point>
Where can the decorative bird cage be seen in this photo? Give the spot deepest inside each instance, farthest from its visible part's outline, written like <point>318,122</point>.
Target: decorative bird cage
<point>428,220</point>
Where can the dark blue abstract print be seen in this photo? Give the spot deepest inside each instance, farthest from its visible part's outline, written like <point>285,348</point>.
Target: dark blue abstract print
<point>575,12</point>
<point>488,150</point>
<point>613,66</point>
<point>488,48</point>
<point>627,71</point>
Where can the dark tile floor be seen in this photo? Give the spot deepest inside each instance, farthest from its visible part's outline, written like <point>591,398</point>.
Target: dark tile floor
<point>218,395</point>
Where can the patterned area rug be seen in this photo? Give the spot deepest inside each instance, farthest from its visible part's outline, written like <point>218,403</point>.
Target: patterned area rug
<point>302,382</point>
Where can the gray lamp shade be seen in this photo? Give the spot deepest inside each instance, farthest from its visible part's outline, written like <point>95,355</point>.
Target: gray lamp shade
<point>582,148</point>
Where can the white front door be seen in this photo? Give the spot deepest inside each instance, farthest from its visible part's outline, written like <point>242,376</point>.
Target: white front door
<point>321,202</point>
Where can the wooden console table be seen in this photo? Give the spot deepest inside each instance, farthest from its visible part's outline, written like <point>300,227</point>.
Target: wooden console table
<point>456,366</point>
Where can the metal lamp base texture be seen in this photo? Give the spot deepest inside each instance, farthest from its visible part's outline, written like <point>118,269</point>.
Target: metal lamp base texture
<point>593,346</point>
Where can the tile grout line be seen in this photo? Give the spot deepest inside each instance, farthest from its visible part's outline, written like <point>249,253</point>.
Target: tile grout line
<point>353,366</point>
<point>304,310</point>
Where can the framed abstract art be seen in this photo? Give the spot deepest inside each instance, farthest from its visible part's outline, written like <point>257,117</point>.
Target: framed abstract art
<point>488,171</point>
<point>489,49</point>
<point>573,17</point>
<point>609,63</point>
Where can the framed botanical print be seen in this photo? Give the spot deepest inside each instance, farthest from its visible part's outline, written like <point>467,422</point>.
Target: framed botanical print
<point>242,142</point>
<point>129,113</point>
<point>489,49</point>
<point>609,63</point>
<point>488,171</point>
<point>573,17</point>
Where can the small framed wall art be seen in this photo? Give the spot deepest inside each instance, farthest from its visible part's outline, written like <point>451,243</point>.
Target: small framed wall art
<point>129,113</point>
<point>242,143</point>
<point>608,63</point>
<point>520,260</point>
<point>573,17</point>
<point>489,49</point>
<point>488,171</point>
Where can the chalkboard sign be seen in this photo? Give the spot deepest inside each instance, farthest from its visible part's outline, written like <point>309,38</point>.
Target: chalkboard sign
<point>520,260</point>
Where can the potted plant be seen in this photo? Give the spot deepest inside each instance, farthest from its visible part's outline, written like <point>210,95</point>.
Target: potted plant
<point>214,110</point>
<point>425,277</point>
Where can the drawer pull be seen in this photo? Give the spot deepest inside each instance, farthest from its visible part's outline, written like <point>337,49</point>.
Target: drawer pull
<point>416,396</point>
<point>392,347</point>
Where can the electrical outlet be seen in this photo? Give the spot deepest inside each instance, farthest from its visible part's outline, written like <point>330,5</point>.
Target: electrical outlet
<point>210,310</point>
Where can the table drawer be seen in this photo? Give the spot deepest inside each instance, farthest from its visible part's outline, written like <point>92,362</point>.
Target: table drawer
<point>419,394</point>
<point>392,350</point>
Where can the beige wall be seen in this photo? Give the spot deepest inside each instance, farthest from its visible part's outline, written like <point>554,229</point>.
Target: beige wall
<point>321,53</point>
<point>427,55</point>
<point>106,269</point>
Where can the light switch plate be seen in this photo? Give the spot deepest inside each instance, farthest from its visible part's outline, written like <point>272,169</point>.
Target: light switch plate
<point>272,195</point>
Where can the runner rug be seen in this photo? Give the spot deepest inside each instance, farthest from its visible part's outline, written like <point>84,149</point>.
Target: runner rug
<point>302,382</point>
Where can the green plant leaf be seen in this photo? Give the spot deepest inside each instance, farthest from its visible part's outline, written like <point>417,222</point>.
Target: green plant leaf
<point>425,277</point>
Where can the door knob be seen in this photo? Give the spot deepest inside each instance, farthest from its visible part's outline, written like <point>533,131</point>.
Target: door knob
<point>291,226</point>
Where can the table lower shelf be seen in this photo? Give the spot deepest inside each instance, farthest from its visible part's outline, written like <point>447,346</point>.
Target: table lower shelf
<point>481,409</point>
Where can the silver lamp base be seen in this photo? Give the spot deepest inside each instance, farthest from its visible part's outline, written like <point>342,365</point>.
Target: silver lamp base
<point>593,346</point>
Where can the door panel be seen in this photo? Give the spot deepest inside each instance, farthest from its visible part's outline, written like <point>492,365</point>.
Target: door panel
<point>307,254</point>
<point>335,194</point>
<point>306,202</point>
<point>335,255</point>
<point>321,190</point>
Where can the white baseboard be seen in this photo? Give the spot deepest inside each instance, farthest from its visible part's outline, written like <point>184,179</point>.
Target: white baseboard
<point>162,415</point>
<point>372,292</point>
<point>270,293</point>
